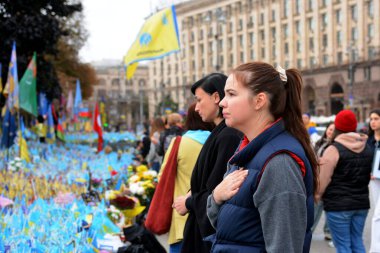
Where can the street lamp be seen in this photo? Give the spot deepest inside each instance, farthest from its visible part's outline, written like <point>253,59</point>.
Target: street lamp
<point>352,52</point>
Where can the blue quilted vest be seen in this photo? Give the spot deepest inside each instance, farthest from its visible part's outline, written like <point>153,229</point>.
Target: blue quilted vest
<point>238,226</point>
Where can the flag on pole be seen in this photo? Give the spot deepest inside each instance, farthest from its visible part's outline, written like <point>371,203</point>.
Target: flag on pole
<point>28,89</point>
<point>43,105</point>
<point>70,104</point>
<point>24,153</point>
<point>78,97</point>
<point>157,38</point>
<point>1,81</point>
<point>60,134</point>
<point>11,87</point>
<point>9,130</point>
<point>98,127</point>
<point>50,124</point>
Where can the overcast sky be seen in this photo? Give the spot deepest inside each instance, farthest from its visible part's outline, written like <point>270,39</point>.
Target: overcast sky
<point>113,26</point>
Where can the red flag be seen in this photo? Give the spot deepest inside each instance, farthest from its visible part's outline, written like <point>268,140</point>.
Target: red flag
<point>98,127</point>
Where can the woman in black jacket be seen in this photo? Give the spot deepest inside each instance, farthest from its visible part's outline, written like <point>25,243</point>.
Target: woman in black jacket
<point>211,164</point>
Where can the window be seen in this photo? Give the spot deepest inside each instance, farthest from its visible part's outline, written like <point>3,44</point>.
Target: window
<point>370,8</point>
<point>201,34</point>
<point>338,16</point>
<point>241,41</point>
<point>310,5</point>
<point>273,15</point>
<point>312,61</point>
<point>311,24</point>
<point>262,35</point>
<point>286,48</point>
<point>299,63</point>
<point>367,73</point>
<point>229,43</point>
<point>324,19</point>
<point>240,24</point>
<point>370,31</point>
<point>286,8</point>
<point>311,44</point>
<point>192,50</point>
<point>251,38</point>
<point>340,58</point>
<point>241,56</point>
<point>286,64</point>
<point>261,18</point>
<point>203,63</point>
<point>231,59</point>
<point>286,30</point>
<point>339,38</point>
<point>202,48</point>
<point>354,12</point>
<point>298,7</point>
<point>325,59</point>
<point>192,36</point>
<point>252,54</point>
<point>324,40</point>
<point>298,46</point>
<point>354,33</point>
<point>324,3</point>
<point>273,31</point>
<point>273,51</point>
<point>298,27</point>
<point>262,52</point>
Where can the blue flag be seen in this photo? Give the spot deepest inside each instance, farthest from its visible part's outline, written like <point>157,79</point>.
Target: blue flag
<point>78,98</point>
<point>42,104</point>
<point>9,130</point>
<point>50,123</point>
<point>11,87</point>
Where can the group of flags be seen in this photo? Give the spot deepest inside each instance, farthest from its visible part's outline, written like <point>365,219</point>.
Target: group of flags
<point>23,95</point>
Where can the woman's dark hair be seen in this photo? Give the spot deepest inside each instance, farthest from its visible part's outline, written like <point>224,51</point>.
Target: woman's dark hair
<point>212,83</point>
<point>319,143</point>
<point>370,130</point>
<point>194,121</point>
<point>285,101</point>
<point>157,125</point>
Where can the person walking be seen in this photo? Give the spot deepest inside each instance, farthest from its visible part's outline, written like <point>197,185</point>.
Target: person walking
<point>210,166</point>
<point>265,201</point>
<point>344,178</point>
<point>374,143</point>
<point>320,147</point>
<point>191,143</point>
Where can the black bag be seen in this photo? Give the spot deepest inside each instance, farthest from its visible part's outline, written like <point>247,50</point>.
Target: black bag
<point>132,249</point>
<point>140,236</point>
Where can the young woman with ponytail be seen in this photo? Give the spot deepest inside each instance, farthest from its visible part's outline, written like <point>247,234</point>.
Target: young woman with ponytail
<point>265,202</point>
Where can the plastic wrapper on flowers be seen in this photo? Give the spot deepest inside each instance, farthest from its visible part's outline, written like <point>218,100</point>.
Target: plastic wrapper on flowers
<point>129,206</point>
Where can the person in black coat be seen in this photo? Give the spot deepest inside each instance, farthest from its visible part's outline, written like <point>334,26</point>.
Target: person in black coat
<point>211,164</point>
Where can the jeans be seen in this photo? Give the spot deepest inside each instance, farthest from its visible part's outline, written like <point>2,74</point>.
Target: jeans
<point>318,209</point>
<point>175,247</point>
<point>347,230</point>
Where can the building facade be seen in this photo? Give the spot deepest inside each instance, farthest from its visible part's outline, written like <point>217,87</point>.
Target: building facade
<point>335,43</point>
<point>126,102</point>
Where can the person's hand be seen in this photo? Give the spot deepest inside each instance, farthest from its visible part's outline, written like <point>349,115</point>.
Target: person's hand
<point>229,186</point>
<point>180,206</point>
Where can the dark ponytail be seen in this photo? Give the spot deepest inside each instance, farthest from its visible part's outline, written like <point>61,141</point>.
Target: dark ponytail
<point>293,119</point>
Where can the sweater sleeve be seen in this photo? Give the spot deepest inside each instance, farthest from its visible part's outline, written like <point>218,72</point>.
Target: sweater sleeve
<point>197,202</point>
<point>281,201</point>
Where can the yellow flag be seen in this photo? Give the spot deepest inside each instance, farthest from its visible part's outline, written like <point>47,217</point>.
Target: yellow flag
<point>24,153</point>
<point>157,38</point>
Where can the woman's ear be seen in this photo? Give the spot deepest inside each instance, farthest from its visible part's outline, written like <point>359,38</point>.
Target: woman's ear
<point>261,100</point>
<point>216,97</point>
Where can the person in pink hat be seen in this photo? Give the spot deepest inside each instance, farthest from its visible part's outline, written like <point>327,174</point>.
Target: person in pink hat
<point>345,172</point>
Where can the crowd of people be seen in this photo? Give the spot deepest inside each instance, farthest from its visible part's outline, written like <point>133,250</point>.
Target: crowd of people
<point>253,175</point>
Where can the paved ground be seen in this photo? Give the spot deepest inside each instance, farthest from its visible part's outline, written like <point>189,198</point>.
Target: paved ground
<point>318,244</point>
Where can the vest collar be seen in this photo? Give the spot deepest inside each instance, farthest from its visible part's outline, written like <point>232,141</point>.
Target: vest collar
<point>248,149</point>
